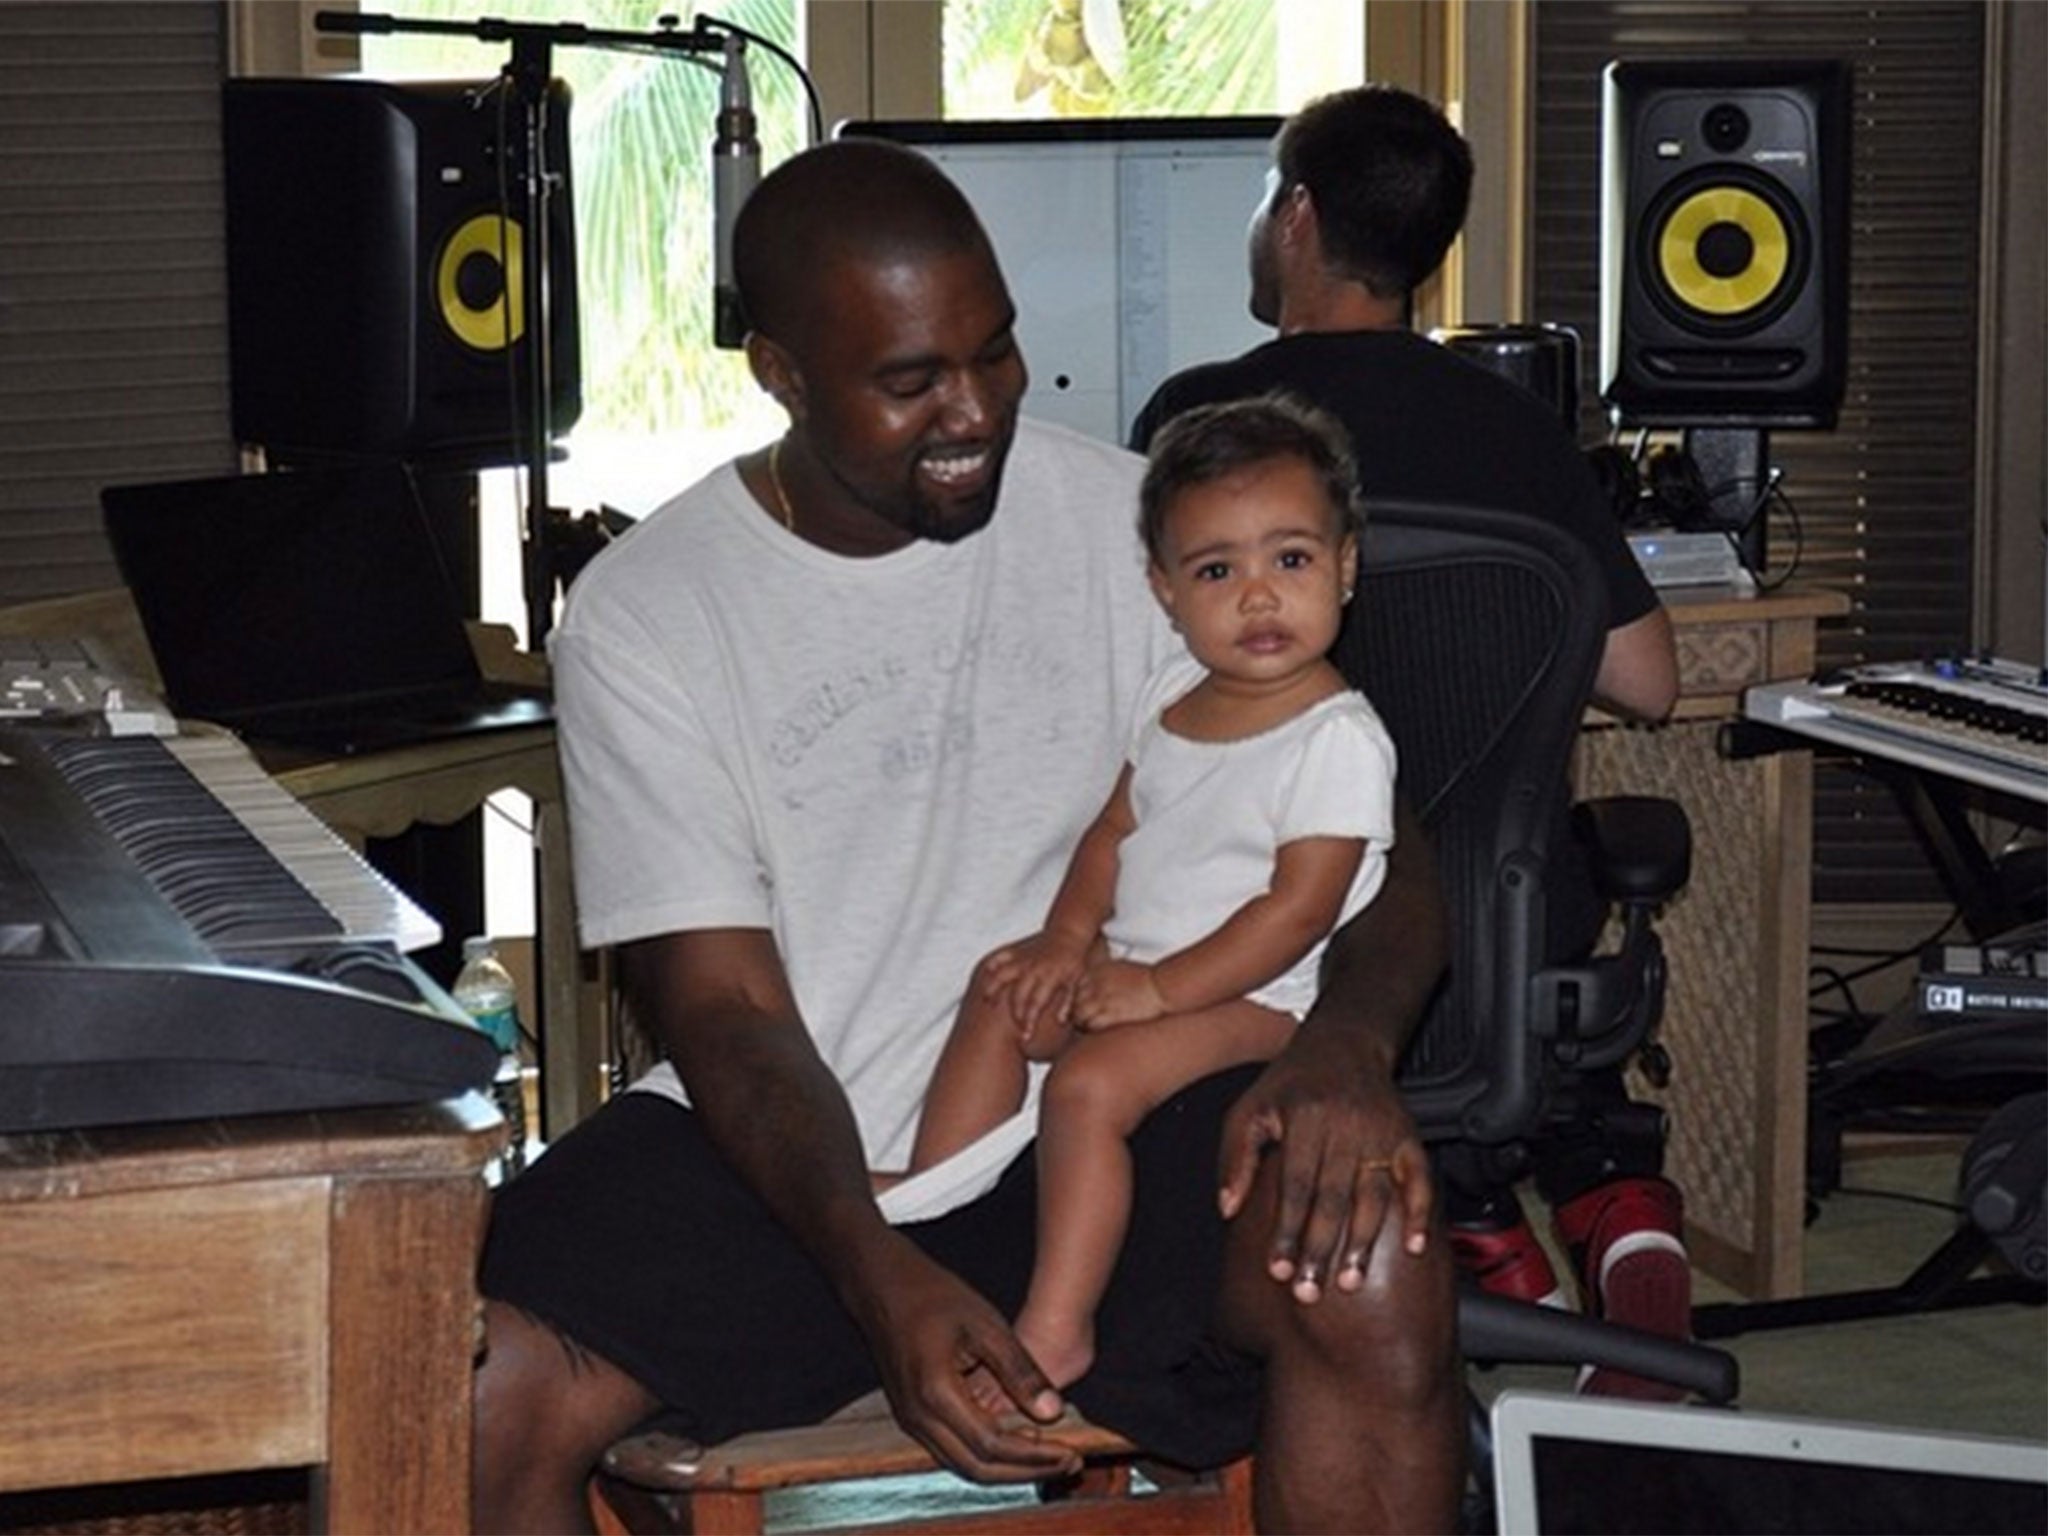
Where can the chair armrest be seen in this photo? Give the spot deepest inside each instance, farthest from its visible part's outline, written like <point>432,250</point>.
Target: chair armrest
<point>1503,1331</point>
<point>1638,848</point>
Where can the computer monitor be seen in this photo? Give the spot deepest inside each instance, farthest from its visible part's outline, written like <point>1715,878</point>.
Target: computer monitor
<point>1584,1466</point>
<point>1123,241</point>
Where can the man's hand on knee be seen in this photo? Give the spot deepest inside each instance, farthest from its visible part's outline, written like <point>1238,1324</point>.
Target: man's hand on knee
<point>1346,1163</point>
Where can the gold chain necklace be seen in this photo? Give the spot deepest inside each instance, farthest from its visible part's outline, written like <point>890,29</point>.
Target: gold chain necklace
<point>775,479</point>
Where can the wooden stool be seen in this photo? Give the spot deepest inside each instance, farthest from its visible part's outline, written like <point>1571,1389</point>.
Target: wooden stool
<point>657,1483</point>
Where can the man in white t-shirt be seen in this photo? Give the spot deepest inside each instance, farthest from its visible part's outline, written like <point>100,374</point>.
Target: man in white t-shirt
<point>831,722</point>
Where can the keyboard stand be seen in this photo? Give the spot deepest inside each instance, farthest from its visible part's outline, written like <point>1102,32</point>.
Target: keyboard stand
<point>1941,1283</point>
<point>1936,809</point>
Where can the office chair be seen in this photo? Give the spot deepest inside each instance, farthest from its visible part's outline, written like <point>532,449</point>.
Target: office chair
<point>1476,634</point>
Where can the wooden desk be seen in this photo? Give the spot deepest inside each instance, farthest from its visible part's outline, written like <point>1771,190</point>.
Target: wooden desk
<point>1737,937</point>
<point>236,1295</point>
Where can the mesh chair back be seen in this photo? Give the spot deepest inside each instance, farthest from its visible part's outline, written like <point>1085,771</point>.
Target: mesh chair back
<point>1476,635</point>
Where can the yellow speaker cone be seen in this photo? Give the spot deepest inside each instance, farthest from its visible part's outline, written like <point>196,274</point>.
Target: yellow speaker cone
<point>484,239</point>
<point>1724,251</point>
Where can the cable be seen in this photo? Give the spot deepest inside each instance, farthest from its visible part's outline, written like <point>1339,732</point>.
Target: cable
<point>1776,494</point>
<point>523,828</point>
<point>1901,1196</point>
<point>1886,957</point>
<point>817,111</point>
<point>1833,1033</point>
<point>1830,979</point>
<point>515,411</point>
<point>701,23</point>
<point>1709,494</point>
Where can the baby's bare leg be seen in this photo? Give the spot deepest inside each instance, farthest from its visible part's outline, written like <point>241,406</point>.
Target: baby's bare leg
<point>978,1083</point>
<point>1095,1096</point>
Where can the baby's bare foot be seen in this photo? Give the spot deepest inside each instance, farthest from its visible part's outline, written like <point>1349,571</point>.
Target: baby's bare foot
<point>1063,1350</point>
<point>988,1393</point>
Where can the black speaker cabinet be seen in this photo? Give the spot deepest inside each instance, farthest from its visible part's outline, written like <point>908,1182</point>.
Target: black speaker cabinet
<point>377,253</point>
<point>1724,234</point>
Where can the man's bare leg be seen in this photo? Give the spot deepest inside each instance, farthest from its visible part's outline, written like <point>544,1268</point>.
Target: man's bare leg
<point>546,1408</point>
<point>1363,1426</point>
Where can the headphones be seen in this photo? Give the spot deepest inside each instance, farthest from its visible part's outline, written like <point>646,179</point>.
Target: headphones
<point>1676,490</point>
<point>1664,491</point>
<point>1621,483</point>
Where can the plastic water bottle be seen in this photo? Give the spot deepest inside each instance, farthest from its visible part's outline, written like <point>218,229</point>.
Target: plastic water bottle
<point>484,990</point>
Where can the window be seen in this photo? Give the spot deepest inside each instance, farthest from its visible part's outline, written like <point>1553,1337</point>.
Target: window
<point>1146,58</point>
<point>661,404</point>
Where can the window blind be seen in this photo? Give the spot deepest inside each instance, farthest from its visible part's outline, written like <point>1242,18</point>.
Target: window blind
<point>1885,503</point>
<point>113,307</point>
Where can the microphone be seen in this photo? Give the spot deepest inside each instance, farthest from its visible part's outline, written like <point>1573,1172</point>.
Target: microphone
<point>735,171</point>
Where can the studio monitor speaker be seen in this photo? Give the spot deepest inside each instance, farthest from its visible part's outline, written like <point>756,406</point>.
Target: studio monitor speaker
<point>1724,242</point>
<point>377,263</point>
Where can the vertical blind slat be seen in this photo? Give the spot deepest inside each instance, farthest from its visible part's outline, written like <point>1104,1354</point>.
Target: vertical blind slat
<point>113,296</point>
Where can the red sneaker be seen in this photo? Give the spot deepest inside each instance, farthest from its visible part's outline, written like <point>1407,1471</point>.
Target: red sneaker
<point>1507,1261</point>
<point>1632,1270</point>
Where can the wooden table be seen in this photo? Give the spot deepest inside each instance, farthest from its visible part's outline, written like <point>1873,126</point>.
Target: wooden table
<point>1736,1019</point>
<point>236,1295</point>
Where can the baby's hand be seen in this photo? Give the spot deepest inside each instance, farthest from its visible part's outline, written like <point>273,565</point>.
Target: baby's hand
<point>1117,992</point>
<point>1038,974</point>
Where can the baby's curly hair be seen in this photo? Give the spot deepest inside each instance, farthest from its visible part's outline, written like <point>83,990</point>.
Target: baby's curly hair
<point>1207,442</point>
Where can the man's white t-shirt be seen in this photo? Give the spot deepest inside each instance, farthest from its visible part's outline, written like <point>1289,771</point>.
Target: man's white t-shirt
<point>886,762</point>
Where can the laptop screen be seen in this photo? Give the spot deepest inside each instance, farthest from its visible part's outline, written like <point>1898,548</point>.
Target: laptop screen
<point>1566,1464</point>
<point>308,587</point>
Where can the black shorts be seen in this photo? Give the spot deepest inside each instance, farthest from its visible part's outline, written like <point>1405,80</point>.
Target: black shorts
<point>633,1237</point>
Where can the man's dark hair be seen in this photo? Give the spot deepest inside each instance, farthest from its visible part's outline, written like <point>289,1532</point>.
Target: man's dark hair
<point>1208,442</point>
<point>850,201</point>
<point>1390,178</point>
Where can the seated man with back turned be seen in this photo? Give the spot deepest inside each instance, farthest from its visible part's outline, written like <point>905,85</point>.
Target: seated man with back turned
<point>1368,189</point>
<point>831,723</point>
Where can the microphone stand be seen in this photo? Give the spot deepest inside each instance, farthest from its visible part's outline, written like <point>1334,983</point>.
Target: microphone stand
<point>526,74</point>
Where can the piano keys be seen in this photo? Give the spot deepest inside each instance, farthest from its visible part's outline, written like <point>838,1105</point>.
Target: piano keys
<point>250,869</point>
<point>1983,721</point>
<point>179,939</point>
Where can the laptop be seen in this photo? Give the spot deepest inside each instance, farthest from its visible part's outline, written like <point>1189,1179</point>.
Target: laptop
<point>308,608</point>
<point>1584,1464</point>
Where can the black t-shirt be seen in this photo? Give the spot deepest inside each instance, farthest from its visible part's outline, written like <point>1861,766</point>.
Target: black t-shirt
<point>1429,425</point>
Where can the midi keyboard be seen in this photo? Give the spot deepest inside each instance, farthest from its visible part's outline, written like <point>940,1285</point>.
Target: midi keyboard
<point>1983,720</point>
